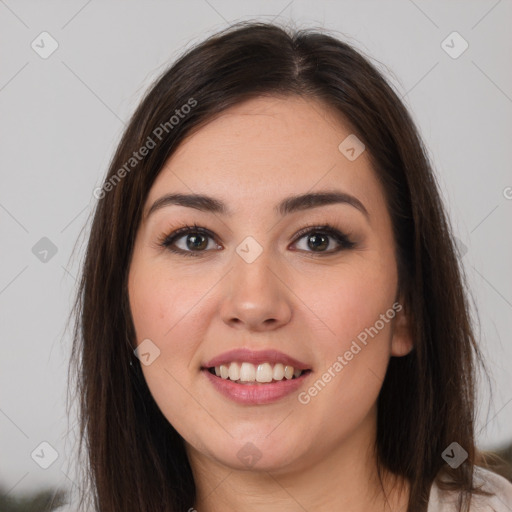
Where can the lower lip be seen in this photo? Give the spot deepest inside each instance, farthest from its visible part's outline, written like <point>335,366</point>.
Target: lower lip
<point>255,394</point>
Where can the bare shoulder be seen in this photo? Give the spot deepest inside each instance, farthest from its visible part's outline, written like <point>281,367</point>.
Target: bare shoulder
<point>500,501</point>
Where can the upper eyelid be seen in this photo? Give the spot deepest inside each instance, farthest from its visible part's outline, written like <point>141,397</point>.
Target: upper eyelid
<point>185,230</point>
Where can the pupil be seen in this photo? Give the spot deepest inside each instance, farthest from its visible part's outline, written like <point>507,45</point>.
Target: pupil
<point>317,243</point>
<point>195,239</point>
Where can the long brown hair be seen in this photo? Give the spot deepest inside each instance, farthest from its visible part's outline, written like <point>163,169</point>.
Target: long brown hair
<point>135,459</point>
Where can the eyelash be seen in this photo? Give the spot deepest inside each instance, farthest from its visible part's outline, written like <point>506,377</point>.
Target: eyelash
<point>342,239</point>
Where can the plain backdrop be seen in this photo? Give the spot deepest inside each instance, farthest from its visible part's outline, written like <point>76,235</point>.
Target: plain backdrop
<point>62,116</point>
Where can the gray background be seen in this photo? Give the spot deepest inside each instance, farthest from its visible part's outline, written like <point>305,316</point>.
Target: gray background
<point>62,116</point>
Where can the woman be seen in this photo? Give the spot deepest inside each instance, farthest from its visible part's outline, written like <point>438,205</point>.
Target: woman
<point>271,314</point>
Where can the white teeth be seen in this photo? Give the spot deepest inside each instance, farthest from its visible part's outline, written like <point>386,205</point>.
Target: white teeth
<point>224,372</point>
<point>278,371</point>
<point>234,371</point>
<point>247,372</point>
<point>264,372</point>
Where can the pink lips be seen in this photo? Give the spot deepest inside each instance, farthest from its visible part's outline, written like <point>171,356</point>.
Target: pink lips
<point>255,393</point>
<point>241,355</point>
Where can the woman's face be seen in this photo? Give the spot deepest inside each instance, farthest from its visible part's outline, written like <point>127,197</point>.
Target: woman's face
<point>261,274</point>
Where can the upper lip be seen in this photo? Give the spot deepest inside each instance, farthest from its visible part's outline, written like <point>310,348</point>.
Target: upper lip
<point>255,357</point>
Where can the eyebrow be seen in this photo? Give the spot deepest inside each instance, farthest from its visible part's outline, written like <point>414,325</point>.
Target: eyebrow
<point>287,206</point>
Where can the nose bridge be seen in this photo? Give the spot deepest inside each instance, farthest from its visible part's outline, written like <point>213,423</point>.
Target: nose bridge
<point>253,269</point>
<point>255,296</point>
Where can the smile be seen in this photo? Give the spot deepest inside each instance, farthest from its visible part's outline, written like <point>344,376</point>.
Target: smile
<point>255,377</point>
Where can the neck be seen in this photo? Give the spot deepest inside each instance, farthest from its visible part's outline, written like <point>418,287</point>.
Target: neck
<point>344,478</point>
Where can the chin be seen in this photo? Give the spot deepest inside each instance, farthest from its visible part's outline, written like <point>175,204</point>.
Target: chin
<point>257,453</point>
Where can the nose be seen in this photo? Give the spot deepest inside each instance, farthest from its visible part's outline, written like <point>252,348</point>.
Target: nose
<point>255,296</point>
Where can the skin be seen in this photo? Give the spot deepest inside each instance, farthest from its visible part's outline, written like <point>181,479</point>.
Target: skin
<point>311,306</point>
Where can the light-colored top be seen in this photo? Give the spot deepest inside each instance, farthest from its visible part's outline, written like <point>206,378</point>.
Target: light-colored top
<point>501,501</point>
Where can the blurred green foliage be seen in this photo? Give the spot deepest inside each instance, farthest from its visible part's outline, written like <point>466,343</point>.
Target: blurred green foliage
<point>41,501</point>
<point>503,464</point>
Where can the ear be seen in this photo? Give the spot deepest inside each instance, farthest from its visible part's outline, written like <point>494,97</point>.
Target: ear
<point>401,341</point>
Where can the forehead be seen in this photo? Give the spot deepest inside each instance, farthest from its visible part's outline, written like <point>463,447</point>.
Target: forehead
<point>265,149</point>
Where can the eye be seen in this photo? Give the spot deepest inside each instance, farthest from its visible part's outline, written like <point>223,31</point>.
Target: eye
<point>195,240</point>
<point>318,239</point>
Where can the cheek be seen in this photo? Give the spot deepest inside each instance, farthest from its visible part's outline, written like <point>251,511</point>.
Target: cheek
<point>169,309</point>
<point>349,301</point>
<point>160,302</point>
<point>163,311</point>
<point>356,312</point>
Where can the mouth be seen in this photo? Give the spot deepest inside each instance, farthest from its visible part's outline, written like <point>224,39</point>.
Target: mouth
<point>251,377</point>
